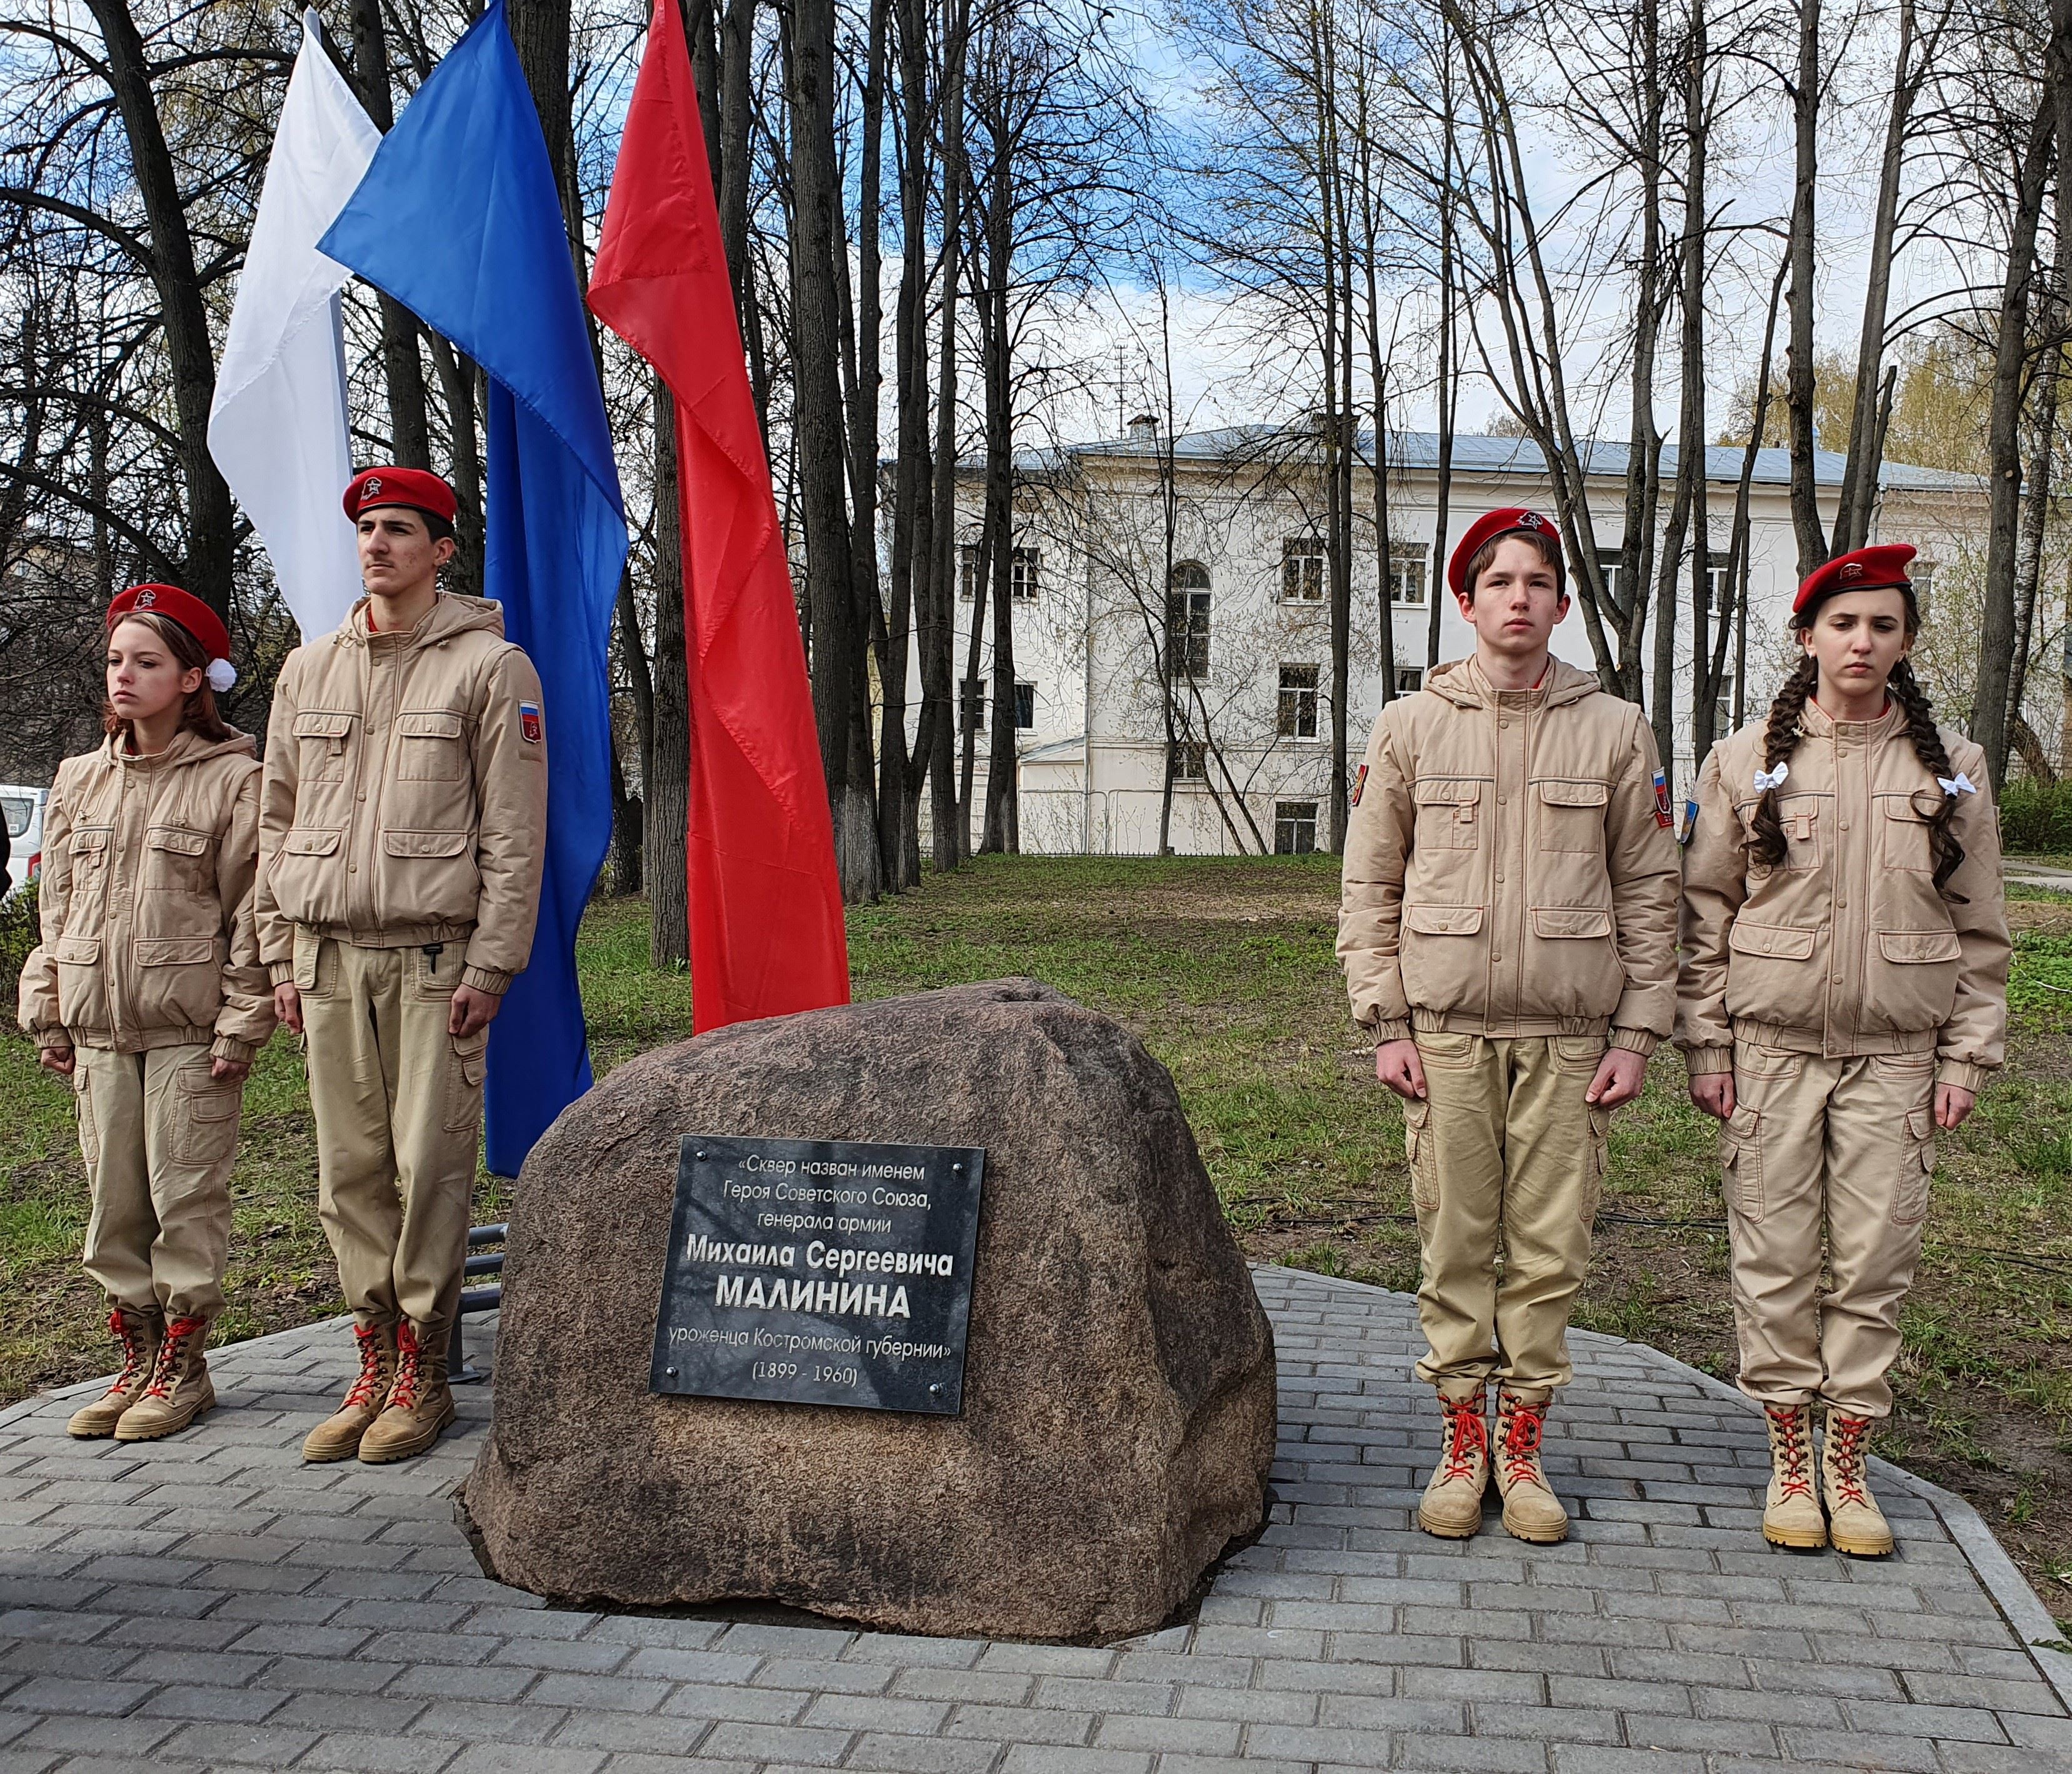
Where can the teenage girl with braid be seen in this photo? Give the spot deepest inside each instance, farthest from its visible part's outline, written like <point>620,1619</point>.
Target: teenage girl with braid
<point>1843,996</point>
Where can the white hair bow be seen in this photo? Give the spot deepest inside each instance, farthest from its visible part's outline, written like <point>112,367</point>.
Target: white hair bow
<point>222,674</point>
<point>1765,779</point>
<point>1958,784</point>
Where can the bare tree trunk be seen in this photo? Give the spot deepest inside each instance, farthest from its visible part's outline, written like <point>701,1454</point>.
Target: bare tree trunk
<point>1435,576</point>
<point>1689,515</point>
<point>817,240</point>
<point>1628,597</point>
<point>191,357</point>
<point>1860,472</point>
<point>409,428</point>
<point>667,812</point>
<point>1002,821</point>
<point>1798,359</point>
<point>947,801</point>
<point>1996,627</point>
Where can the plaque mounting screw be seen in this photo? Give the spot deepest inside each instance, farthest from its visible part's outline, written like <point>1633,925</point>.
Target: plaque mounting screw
<point>701,1157</point>
<point>670,1371</point>
<point>935,1386</point>
<point>958,1167</point>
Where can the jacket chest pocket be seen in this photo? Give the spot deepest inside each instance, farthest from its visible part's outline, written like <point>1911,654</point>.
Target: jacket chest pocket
<point>1905,840</point>
<point>178,860</point>
<point>1804,818</point>
<point>1572,814</point>
<point>324,739</point>
<point>1448,815</point>
<point>428,745</point>
<point>88,848</point>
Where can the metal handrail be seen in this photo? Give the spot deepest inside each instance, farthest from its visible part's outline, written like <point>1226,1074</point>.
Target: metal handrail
<point>476,1299</point>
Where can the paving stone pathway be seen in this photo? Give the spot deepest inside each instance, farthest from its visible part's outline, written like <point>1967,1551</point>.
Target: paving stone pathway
<point>210,1602</point>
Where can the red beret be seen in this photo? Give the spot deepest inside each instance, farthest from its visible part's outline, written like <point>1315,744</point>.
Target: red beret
<point>416,488</point>
<point>1486,529</point>
<point>1882,568</point>
<point>188,611</point>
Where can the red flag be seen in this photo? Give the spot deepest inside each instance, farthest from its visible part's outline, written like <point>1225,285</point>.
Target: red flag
<point>767,934</point>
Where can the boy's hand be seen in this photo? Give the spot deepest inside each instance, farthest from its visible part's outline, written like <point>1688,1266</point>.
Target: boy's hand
<point>1618,1080</point>
<point>1953,1105</point>
<point>288,1006</point>
<point>59,1060</point>
<point>1714,1093</point>
<point>1396,1064</point>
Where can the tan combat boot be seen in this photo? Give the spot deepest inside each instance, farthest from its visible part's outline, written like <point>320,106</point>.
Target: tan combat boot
<point>337,1437</point>
<point>1791,1511</point>
<point>1452,1505</point>
<point>421,1404</point>
<point>139,1333</point>
<point>1530,1509</point>
<point>1855,1522</point>
<point>180,1388</point>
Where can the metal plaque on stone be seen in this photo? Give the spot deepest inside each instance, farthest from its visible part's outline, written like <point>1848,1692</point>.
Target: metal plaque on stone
<point>820,1272</point>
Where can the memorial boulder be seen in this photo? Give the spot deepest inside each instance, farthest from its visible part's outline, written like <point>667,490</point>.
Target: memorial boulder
<point>1116,1418</point>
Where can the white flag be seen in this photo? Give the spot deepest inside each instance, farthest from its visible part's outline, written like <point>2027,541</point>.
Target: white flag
<point>277,426</point>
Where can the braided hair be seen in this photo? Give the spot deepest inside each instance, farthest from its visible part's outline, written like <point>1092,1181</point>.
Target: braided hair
<point>1927,739</point>
<point>1785,728</point>
<point>1781,737</point>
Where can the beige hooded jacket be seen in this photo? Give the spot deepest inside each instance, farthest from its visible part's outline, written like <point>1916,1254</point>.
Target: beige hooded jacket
<point>1508,868</point>
<point>1846,947</point>
<point>146,903</point>
<point>406,795</point>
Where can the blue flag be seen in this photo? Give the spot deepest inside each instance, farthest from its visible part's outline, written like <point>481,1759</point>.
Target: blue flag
<point>459,220</point>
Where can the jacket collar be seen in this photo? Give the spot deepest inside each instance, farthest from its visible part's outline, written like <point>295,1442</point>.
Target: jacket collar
<point>1464,683</point>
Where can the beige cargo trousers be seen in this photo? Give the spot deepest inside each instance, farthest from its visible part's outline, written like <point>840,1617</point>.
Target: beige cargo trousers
<point>1848,1143</point>
<point>1504,1155</point>
<point>159,1135</point>
<point>398,1108</point>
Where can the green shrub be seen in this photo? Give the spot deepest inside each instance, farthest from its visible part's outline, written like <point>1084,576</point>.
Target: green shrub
<point>19,935</point>
<point>2035,818</point>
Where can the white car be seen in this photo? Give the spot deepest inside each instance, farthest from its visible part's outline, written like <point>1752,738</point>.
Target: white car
<point>22,808</point>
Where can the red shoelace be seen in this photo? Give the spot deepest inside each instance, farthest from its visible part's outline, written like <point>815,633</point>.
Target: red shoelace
<point>1796,1451</point>
<point>1466,1436</point>
<point>1522,1426</point>
<point>133,1354</point>
<point>1845,1453</point>
<point>165,1371</point>
<point>366,1388</point>
<point>403,1395</point>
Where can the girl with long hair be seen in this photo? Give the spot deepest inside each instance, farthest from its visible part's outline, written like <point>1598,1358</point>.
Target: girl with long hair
<point>148,994</point>
<point>1842,997</point>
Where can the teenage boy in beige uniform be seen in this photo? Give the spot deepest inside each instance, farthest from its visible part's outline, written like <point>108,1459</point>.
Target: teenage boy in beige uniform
<point>1844,996</point>
<point>403,827</point>
<point>1507,933</point>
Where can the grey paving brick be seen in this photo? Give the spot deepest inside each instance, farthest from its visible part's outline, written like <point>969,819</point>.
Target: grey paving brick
<point>526,1759</point>
<point>797,1744</point>
<point>365,1753</point>
<point>1056,1758</point>
<point>247,1705</point>
<point>99,1736</point>
<point>752,1705</point>
<point>252,1745</point>
<point>459,1682</point>
<point>481,1721</point>
<point>1602,1759</point>
<point>588,1657</point>
<point>1431,1753</point>
<point>632,1733</point>
<point>884,1753</point>
<point>876,1712</point>
<point>62,1693</point>
<point>603,1693</point>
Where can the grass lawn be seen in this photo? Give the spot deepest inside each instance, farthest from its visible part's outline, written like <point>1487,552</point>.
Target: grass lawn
<point>1225,968</point>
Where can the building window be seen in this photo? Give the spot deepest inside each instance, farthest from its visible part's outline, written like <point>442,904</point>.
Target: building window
<point>1187,622</point>
<point>1302,570</point>
<point>1406,571</point>
<point>1298,702</point>
<point>1718,595</point>
<point>1187,760</point>
<point>1613,566</point>
<point>1922,575</point>
<point>1409,679</point>
<point>1024,706</point>
<point>1294,829</point>
<point>1022,565</point>
<point>974,704</point>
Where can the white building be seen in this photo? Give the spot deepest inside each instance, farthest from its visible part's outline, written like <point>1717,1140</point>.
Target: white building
<point>1240,623</point>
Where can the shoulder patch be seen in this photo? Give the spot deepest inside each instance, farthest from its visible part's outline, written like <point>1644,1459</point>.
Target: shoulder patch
<point>1359,783</point>
<point>1663,817</point>
<point>530,728</point>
